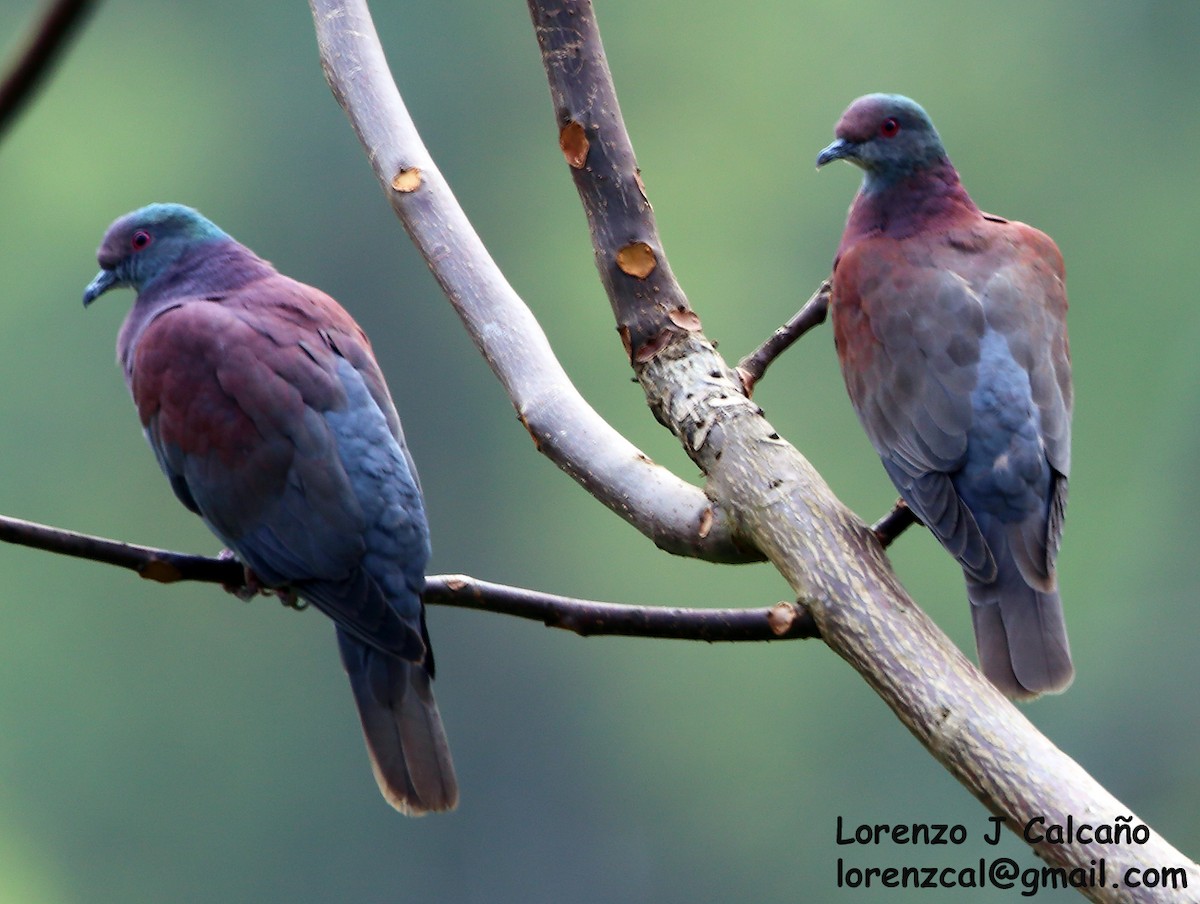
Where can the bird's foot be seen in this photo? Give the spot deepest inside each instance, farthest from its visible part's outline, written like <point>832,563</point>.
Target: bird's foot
<point>289,598</point>
<point>251,586</point>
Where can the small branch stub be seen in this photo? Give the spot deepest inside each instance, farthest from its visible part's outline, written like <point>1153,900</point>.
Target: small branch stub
<point>782,617</point>
<point>574,143</point>
<point>637,260</point>
<point>894,523</point>
<point>647,350</point>
<point>407,180</point>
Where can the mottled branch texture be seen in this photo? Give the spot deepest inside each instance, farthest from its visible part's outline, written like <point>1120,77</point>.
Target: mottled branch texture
<point>647,301</point>
<point>764,494</point>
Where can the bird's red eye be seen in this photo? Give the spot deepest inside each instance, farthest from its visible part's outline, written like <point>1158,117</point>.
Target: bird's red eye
<point>889,127</point>
<point>139,240</point>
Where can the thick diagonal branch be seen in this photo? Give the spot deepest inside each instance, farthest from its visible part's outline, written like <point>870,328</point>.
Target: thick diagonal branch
<point>674,514</point>
<point>777,498</point>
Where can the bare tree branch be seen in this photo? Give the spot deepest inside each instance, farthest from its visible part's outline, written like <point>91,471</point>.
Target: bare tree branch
<point>777,498</point>
<point>894,523</point>
<point>783,621</point>
<point>648,303</point>
<point>153,564</point>
<point>752,367</point>
<point>34,59</point>
<point>677,516</point>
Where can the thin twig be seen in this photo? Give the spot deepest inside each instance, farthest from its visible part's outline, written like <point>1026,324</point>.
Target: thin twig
<point>34,59</point>
<point>153,564</point>
<point>587,617</point>
<point>784,621</point>
<point>894,523</point>
<point>752,367</point>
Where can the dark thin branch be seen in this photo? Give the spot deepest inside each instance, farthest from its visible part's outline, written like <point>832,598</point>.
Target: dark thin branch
<point>783,621</point>
<point>752,367</point>
<point>153,564</point>
<point>586,617</point>
<point>34,59</point>
<point>894,523</point>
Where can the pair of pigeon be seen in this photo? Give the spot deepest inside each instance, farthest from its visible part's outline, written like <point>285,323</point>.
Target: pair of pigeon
<point>269,416</point>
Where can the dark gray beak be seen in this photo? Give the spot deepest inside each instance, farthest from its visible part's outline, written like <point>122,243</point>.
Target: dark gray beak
<point>839,150</point>
<point>105,280</point>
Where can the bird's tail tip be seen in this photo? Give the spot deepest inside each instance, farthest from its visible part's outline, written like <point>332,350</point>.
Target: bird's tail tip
<point>411,761</point>
<point>1022,640</point>
<point>406,741</point>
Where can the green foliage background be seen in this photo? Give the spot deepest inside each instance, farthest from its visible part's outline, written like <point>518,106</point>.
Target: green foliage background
<point>171,744</point>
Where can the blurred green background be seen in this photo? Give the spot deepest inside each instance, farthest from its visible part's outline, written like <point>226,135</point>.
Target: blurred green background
<point>172,744</point>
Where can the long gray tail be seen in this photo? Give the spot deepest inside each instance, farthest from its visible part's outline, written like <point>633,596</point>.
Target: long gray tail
<point>1019,632</point>
<point>403,729</point>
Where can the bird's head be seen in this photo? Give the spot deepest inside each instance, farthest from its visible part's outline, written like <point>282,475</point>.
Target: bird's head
<point>888,135</point>
<point>140,246</point>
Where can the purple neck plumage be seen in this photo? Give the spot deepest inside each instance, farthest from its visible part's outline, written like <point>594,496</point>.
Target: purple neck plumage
<point>209,270</point>
<point>928,200</point>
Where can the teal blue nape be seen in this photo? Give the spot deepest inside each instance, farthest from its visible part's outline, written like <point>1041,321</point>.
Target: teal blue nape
<point>266,410</point>
<point>951,331</point>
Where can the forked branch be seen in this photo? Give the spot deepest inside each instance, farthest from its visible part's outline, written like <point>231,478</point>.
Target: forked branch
<point>777,501</point>
<point>674,514</point>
